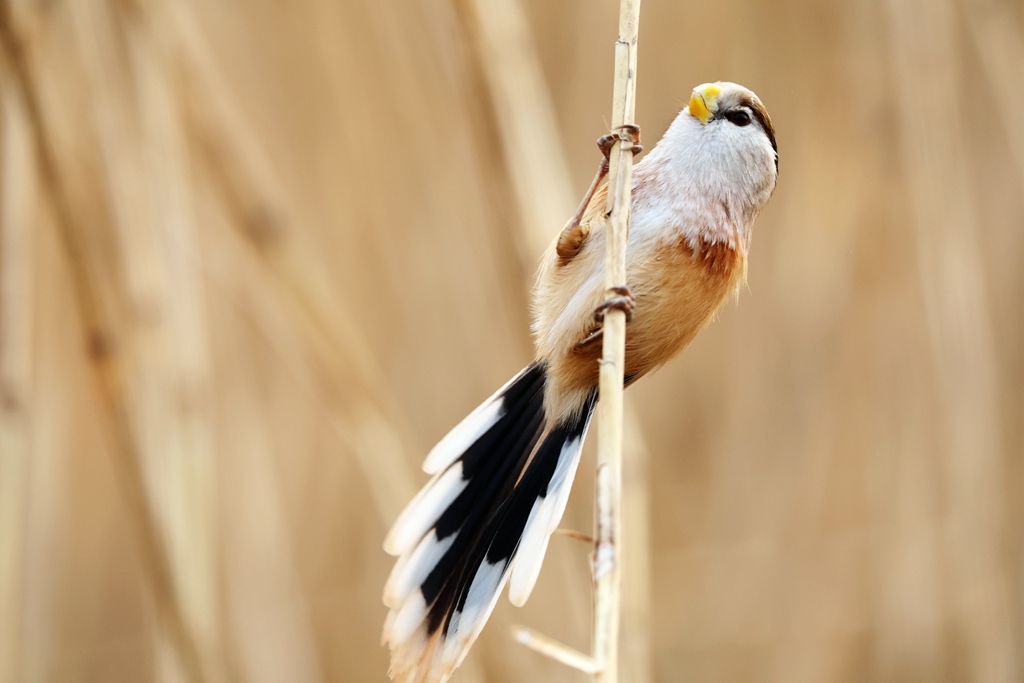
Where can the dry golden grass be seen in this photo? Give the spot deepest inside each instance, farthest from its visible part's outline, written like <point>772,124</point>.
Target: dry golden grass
<point>307,231</point>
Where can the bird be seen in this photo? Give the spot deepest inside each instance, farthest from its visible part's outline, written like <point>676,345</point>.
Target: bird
<point>500,479</point>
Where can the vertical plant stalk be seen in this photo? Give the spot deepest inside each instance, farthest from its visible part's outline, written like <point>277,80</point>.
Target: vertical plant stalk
<point>18,203</point>
<point>135,114</point>
<point>1000,48</point>
<point>519,102</point>
<point>104,356</point>
<point>953,280</point>
<point>365,415</point>
<point>524,114</point>
<point>607,563</point>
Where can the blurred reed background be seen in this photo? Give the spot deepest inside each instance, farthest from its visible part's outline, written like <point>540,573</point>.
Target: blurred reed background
<point>256,257</point>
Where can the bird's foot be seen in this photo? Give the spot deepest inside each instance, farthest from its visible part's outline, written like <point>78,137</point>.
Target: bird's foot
<point>628,134</point>
<point>623,302</point>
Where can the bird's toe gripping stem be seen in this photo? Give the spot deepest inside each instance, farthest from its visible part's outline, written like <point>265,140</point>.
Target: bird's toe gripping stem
<point>623,302</point>
<point>628,134</point>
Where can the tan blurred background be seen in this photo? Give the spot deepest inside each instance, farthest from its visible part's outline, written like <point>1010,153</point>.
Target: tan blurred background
<point>256,257</point>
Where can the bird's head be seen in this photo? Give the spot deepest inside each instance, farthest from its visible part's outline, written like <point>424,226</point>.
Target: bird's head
<point>735,116</point>
<point>721,148</point>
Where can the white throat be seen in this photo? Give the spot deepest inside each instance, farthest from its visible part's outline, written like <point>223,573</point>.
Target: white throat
<point>710,186</point>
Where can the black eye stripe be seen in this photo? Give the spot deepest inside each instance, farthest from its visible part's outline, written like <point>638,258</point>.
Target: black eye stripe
<point>763,119</point>
<point>753,107</point>
<point>738,117</point>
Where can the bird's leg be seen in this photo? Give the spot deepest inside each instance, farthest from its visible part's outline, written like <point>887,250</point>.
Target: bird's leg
<point>623,302</point>
<point>602,171</point>
<point>571,238</point>
<point>627,133</point>
<point>573,234</point>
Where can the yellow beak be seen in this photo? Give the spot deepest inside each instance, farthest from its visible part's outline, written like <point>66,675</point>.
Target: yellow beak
<point>704,101</point>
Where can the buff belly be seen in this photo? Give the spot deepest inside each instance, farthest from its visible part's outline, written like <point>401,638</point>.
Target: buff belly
<point>678,292</point>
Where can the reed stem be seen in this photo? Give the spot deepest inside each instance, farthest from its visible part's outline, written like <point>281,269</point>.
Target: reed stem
<point>607,562</point>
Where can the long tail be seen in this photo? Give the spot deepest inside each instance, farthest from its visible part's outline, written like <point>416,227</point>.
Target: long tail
<point>500,482</point>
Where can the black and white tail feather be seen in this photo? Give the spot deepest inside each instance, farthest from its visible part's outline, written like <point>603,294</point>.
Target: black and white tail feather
<point>501,480</point>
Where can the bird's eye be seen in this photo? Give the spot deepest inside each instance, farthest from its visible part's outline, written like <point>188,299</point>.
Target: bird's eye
<point>738,117</point>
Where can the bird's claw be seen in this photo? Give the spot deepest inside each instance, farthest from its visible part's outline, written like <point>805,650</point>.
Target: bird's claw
<point>623,302</point>
<point>628,133</point>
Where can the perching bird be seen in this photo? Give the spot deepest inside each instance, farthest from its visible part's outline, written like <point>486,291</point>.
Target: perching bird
<point>501,478</point>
